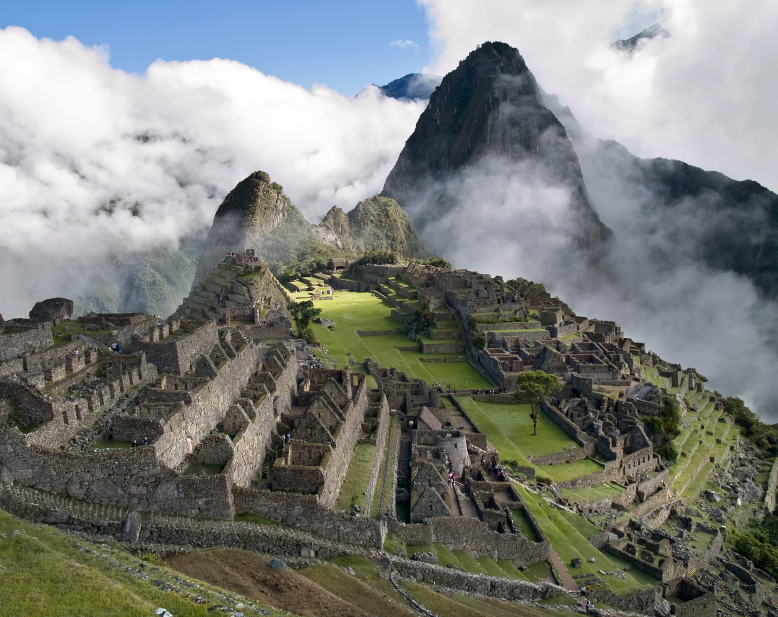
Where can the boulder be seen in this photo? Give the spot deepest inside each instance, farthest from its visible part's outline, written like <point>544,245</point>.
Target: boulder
<point>131,528</point>
<point>276,563</point>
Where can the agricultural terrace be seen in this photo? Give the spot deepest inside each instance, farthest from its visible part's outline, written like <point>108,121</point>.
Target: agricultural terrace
<point>352,311</point>
<point>568,533</point>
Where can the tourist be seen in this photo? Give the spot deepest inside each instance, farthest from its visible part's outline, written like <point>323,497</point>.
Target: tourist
<point>145,441</point>
<point>134,443</point>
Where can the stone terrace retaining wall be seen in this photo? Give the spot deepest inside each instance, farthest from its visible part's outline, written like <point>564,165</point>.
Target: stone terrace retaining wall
<point>474,583</point>
<point>15,344</point>
<point>642,600</point>
<point>458,533</point>
<point>305,512</point>
<point>769,498</point>
<point>557,458</point>
<point>611,473</point>
<point>127,478</point>
<point>167,530</point>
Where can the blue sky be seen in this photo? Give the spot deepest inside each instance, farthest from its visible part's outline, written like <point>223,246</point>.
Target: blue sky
<point>343,43</point>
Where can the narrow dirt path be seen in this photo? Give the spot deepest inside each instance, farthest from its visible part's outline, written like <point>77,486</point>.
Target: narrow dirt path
<point>567,580</point>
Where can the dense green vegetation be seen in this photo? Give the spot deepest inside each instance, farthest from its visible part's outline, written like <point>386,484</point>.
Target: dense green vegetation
<point>668,422</point>
<point>763,553</point>
<point>764,436</point>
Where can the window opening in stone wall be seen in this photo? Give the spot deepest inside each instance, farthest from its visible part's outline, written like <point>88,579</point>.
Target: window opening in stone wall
<point>78,412</point>
<point>65,416</point>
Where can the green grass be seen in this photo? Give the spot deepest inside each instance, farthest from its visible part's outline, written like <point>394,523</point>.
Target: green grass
<point>468,563</point>
<point>388,462</point>
<point>571,337</point>
<point>110,443</point>
<point>570,471</point>
<point>352,490</point>
<point>569,542</point>
<point>45,574</point>
<point>509,429</point>
<point>353,590</point>
<point>593,493</point>
<point>363,311</point>
<point>61,334</point>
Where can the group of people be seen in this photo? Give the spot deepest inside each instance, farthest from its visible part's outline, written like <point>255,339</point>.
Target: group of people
<point>490,467</point>
<point>143,442</point>
<point>586,605</point>
<point>451,478</point>
<point>499,390</point>
<point>116,347</point>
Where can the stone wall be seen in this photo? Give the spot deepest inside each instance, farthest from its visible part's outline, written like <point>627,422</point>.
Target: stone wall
<point>306,512</point>
<point>475,583</point>
<point>345,439</point>
<point>557,458</point>
<point>380,442</point>
<point>128,478</point>
<point>558,418</point>
<point>610,473</point>
<point>186,425</point>
<point>177,356</point>
<point>651,486</point>
<point>462,533</point>
<point>35,339</point>
<point>642,601</point>
<point>442,347</point>
<point>769,498</point>
<point>525,335</point>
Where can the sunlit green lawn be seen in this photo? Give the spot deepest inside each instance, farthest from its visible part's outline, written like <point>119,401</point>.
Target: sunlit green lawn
<point>353,311</point>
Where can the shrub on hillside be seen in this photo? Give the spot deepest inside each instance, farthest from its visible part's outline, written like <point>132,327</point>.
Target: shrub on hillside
<point>764,436</point>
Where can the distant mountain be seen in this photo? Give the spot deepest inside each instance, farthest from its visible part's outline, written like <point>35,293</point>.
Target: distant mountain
<point>487,137</point>
<point>631,44</point>
<point>256,214</point>
<point>375,223</point>
<point>245,219</point>
<point>412,86</point>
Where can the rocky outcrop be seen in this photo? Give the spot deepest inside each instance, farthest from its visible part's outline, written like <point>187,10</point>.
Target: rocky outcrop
<point>375,223</point>
<point>245,219</point>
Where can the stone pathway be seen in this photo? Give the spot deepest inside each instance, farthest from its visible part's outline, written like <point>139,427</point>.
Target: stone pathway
<point>455,509</point>
<point>567,580</point>
<point>466,505</point>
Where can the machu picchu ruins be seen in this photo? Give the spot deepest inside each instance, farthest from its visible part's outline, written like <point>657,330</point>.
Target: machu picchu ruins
<point>173,431</point>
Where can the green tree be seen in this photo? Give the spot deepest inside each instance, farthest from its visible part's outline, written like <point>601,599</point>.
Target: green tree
<point>303,313</point>
<point>535,386</point>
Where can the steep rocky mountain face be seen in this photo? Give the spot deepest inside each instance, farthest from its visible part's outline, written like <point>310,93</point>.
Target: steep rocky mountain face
<point>488,153</point>
<point>375,223</point>
<point>414,86</point>
<point>255,214</point>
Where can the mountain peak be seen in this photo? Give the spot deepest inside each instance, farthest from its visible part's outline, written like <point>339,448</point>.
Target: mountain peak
<point>631,44</point>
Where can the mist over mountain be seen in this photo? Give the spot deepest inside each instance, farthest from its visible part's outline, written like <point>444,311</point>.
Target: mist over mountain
<point>489,164</point>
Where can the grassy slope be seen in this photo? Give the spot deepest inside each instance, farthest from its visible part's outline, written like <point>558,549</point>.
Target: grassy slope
<point>352,491</point>
<point>363,311</point>
<point>569,538</point>
<point>45,574</point>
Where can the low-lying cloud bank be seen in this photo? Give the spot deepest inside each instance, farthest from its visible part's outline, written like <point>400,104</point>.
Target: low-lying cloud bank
<point>96,163</point>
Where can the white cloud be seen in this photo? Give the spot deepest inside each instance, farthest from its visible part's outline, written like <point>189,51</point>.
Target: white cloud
<point>94,161</point>
<point>706,95</point>
<point>405,45</point>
